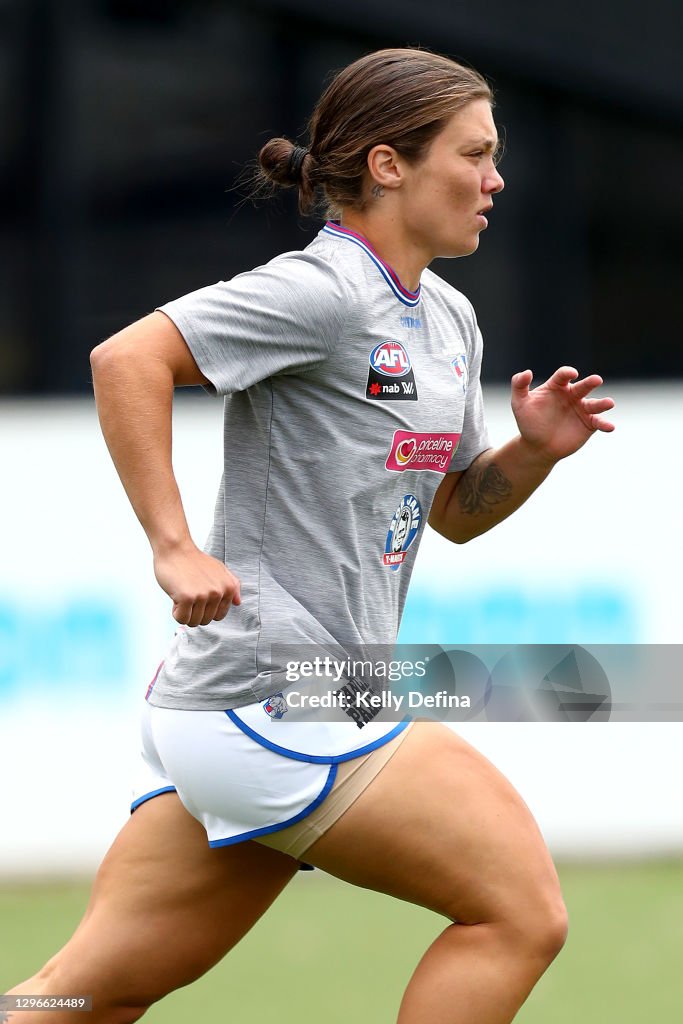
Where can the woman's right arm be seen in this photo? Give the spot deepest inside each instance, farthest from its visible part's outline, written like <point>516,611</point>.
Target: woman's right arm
<point>134,375</point>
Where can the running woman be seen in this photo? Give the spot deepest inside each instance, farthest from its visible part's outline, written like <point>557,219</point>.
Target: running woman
<point>340,365</point>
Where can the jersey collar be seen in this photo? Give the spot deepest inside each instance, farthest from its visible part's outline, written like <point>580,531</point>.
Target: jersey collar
<point>388,273</point>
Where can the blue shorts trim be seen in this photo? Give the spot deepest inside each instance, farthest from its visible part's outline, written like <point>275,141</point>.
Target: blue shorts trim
<point>316,758</point>
<point>148,796</point>
<point>331,776</point>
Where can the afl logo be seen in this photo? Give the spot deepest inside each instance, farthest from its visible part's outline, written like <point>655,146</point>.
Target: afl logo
<point>391,377</point>
<point>403,530</point>
<point>390,359</point>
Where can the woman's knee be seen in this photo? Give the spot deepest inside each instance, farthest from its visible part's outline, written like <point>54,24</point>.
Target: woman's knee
<point>527,911</point>
<point>538,925</point>
<point>108,1006</point>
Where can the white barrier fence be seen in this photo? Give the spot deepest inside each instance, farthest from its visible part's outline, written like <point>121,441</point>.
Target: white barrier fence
<point>594,557</point>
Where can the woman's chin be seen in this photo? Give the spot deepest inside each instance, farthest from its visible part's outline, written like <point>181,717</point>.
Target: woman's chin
<point>463,248</point>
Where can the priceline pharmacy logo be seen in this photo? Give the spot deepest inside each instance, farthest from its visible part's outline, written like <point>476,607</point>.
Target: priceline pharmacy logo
<point>419,451</point>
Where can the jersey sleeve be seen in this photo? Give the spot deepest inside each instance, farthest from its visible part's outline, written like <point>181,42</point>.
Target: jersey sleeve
<point>474,438</point>
<point>283,317</point>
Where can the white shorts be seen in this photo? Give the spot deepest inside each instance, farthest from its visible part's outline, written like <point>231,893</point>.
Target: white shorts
<point>238,785</point>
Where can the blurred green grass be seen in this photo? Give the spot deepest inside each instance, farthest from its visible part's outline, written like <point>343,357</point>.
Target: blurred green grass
<point>329,952</point>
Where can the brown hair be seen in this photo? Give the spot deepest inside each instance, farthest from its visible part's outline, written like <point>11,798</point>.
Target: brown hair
<point>401,97</point>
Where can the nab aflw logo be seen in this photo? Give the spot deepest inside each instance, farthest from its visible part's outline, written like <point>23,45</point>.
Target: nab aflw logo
<point>391,376</point>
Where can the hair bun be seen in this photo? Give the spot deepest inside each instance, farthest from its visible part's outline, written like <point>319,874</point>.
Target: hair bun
<point>282,162</point>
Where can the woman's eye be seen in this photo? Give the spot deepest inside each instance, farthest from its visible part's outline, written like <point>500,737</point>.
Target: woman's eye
<point>496,156</point>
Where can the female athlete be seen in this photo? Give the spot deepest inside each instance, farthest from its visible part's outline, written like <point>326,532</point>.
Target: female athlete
<point>338,363</point>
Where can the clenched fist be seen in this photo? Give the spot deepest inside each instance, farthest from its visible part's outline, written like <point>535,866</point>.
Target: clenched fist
<point>201,587</point>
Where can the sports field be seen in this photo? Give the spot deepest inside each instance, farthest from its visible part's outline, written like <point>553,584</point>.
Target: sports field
<point>327,952</point>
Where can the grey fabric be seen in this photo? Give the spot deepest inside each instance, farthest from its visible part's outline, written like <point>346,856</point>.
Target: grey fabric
<point>307,499</point>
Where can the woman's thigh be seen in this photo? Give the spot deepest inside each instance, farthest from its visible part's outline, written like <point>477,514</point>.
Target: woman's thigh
<point>164,908</point>
<point>440,826</point>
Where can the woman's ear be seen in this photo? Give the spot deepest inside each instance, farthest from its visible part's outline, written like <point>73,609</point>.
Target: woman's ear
<point>384,165</point>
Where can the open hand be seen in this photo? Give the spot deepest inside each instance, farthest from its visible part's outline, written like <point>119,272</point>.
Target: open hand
<point>558,417</point>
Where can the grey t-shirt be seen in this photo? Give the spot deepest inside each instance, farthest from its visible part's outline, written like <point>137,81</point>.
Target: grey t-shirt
<point>347,398</point>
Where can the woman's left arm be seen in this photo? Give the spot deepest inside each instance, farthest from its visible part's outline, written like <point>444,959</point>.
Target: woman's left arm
<point>554,421</point>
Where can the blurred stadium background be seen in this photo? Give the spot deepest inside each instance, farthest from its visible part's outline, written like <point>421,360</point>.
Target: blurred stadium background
<point>125,127</point>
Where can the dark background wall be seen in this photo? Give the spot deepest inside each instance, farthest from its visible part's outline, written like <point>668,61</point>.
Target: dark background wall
<point>125,125</point>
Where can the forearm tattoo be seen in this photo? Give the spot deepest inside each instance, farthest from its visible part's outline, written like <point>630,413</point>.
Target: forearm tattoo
<point>480,489</point>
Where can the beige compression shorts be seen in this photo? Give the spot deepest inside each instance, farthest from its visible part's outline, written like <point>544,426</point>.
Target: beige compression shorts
<point>352,778</point>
